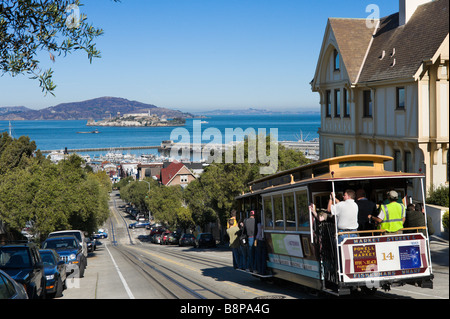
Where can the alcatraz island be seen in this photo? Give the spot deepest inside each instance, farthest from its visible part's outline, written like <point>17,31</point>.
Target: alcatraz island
<point>138,119</point>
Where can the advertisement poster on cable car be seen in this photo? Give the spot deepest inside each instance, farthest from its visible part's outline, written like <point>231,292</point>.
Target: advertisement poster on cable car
<point>384,256</point>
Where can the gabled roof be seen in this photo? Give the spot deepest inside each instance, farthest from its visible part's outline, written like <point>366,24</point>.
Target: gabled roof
<point>362,50</point>
<point>414,42</point>
<point>353,38</point>
<point>168,173</point>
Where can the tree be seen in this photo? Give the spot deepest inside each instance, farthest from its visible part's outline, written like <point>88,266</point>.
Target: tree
<point>48,196</point>
<point>55,26</point>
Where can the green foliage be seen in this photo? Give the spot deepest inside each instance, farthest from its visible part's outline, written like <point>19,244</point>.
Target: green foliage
<point>51,197</point>
<point>438,196</point>
<point>27,27</point>
<point>136,192</point>
<point>445,220</point>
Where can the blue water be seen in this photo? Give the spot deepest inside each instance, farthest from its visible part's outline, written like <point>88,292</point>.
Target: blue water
<point>56,135</point>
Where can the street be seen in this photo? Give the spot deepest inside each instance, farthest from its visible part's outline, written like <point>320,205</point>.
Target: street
<point>127,266</point>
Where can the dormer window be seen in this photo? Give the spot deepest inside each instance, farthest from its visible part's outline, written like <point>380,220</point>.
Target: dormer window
<point>336,60</point>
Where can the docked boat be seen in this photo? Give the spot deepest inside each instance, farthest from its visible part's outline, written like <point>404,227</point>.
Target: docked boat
<point>91,132</point>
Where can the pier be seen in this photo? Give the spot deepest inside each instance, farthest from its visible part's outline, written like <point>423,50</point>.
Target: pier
<point>168,148</point>
<point>102,149</point>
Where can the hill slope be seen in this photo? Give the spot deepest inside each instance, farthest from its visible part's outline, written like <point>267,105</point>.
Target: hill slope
<point>96,109</point>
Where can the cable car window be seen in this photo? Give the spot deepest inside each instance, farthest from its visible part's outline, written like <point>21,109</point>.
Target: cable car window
<point>302,208</point>
<point>355,163</point>
<point>278,212</point>
<point>268,217</point>
<point>289,211</point>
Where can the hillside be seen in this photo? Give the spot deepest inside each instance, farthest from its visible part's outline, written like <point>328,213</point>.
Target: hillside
<point>97,109</point>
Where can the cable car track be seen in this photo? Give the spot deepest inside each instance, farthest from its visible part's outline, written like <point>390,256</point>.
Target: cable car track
<point>170,281</point>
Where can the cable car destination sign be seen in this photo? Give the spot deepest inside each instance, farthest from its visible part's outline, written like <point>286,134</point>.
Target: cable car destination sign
<point>384,256</point>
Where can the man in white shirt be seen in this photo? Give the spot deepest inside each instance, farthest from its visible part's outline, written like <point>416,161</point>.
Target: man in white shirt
<point>346,213</point>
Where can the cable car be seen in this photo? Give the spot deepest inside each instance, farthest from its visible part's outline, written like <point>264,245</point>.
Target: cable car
<point>304,248</point>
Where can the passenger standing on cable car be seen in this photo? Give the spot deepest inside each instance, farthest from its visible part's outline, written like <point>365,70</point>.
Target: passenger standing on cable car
<point>365,208</point>
<point>346,213</point>
<point>250,230</point>
<point>391,216</point>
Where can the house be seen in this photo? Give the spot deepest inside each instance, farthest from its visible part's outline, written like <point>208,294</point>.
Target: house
<point>149,170</point>
<point>176,173</point>
<point>384,89</point>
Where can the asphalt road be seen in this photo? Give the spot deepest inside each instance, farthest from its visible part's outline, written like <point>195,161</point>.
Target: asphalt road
<point>127,266</point>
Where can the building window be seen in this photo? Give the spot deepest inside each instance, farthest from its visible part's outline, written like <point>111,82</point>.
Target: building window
<point>338,149</point>
<point>400,98</point>
<point>367,95</point>
<point>183,178</point>
<point>346,106</point>
<point>397,161</point>
<point>337,103</point>
<point>328,103</point>
<point>336,60</point>
<point>408,162</point>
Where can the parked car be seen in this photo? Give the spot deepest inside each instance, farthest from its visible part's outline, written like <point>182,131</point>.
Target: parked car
<point>23,263</point>
<point>78,234</point>
<point>156,238</point>
<point>139,224</point>
<point>101,233</point>
<point>205,240</point>
<point>156,230</point>
<point>55,272</point>
<point>187,240</point>
<point>172,239</point>
<point>91,244</point>
<point>70,251</point>
<point>164,237</point>
<point>11,289</point>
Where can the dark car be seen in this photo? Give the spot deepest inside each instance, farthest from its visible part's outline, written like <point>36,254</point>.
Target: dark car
<point>139,224</point>
<point>23,263</point>
<point>70,251</point>
<point>156,230</point>
<point>187,240</point>
<point>205,240</point>
<point>91,244</point>
<point>55,272</point>
<point>172,239</point>
<point>11,289</point>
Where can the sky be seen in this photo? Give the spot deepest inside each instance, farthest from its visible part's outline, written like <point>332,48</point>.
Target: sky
<point>194,55</point>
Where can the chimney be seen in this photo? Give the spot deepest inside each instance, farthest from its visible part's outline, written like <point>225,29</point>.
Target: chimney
<point>407,9</point>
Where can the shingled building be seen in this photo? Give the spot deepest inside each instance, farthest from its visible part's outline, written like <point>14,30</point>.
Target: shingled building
<point>384,88</point>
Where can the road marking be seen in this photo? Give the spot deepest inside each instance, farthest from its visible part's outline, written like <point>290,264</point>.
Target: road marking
<point>125,285</point>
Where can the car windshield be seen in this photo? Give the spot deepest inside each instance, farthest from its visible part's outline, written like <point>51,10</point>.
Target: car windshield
<point>60,243</point>
<point>14,257</point>
<point>75,233</point>
<point>48,258</point>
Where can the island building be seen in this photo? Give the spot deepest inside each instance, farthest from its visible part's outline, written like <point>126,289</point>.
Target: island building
<point>384,89</point>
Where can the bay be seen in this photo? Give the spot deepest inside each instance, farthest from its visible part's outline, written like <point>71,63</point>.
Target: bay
<point>56,135</point>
